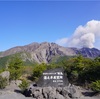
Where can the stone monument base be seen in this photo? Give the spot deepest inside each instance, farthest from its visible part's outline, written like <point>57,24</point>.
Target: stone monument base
<point>69,92</point>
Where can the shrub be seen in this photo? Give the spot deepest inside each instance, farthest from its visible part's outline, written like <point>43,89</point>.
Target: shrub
<point>15,68</point>
<point>74,75</point>
<point>96,86</point>
<point>38,70</point>
<point>3,82</point>
<point>23,85</point>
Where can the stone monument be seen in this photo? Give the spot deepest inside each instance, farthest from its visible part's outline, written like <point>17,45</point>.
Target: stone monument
<point>53,78</point>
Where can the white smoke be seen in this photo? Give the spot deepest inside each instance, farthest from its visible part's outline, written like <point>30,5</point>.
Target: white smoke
<point>62,41</point>
<point>85,36</point>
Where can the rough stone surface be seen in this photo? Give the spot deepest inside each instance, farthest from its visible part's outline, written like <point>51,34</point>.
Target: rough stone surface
<point>75,92</point>
<point>5,74</point>
<point>18,82</point>
<point>57,93</point>
<point>13,95</point>
<point>69,92</point>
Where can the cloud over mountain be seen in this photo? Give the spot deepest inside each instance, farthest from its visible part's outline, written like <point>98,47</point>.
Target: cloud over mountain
<point>84,36</point>
<point>62,41</point>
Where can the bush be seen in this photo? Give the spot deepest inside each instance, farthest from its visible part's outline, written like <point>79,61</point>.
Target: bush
<point>95,86</point>
<point>3,82</point>
<point>15,68</point>
<point>74,76</point>
<point>24,85</point>
<point>38,70</point>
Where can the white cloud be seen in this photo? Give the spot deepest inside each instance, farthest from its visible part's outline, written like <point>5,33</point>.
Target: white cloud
<point>62,41</point>
<point>85,36</point>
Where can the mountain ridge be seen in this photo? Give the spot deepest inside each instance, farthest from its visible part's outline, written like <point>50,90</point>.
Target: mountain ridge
<point>44,52</point>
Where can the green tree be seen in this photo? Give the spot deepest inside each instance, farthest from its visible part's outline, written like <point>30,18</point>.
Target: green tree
<point>77,67</point>
<point>38,70</point>
<point>91,72</point>
<point>14,67</point>
<point>96,85</point>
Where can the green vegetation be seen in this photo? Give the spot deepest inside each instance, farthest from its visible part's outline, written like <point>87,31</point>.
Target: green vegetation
<point>4,61</point>
<point>83,71</point>
<point>1,70</point>
<point>80,70</point>
<point>96,85</point>
<point>3,82</point>
<point>57,60</point>
<point>15,68</point>
<point>38,70</point>
<point>24,85</point>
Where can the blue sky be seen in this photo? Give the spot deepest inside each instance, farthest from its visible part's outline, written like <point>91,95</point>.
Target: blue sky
<point>24,22</point>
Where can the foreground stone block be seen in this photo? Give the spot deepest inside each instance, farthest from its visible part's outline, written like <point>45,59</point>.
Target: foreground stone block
<point>69,92</point>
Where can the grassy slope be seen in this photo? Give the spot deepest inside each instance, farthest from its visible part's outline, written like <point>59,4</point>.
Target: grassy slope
<point>4,60</point>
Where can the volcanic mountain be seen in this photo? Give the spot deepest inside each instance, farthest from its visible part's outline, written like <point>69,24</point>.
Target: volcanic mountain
<point>45,52</point>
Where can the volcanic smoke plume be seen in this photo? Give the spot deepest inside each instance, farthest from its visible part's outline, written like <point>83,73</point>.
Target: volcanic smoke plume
<point>83,36</point>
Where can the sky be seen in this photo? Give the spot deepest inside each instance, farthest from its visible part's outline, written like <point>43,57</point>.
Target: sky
<point>67,23</point>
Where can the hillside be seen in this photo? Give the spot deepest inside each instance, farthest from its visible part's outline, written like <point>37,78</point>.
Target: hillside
<point>46,52</point>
